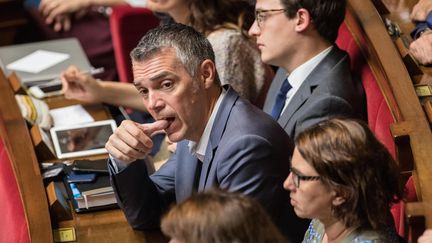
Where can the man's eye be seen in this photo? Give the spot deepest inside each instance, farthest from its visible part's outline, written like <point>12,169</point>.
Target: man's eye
<point>143,91</point>
<point>167,84</point>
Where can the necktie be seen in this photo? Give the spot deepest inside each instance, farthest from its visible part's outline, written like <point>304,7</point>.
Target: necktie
<point>197,175</point>
<point>280,99</point>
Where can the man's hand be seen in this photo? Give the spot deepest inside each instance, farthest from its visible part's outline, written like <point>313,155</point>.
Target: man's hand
<point>80,86</point>
<point>421,10</point>
<point>421,49</point>
<point>132,141</point>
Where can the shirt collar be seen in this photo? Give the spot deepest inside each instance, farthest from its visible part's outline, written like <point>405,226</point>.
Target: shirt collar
<point>299,75</point>
<point>199,148</point>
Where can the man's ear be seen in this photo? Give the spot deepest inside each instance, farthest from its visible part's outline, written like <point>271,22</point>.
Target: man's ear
<point>303,20</point>
<point>208,72</point>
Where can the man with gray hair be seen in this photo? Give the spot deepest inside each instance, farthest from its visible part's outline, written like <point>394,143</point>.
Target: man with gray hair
<point>223,140</point>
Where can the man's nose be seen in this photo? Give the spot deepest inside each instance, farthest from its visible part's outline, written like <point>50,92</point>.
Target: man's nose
<point>254,29</point>
<point>155,102</point>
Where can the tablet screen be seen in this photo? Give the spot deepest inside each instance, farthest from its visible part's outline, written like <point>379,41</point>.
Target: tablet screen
<point>83,139</point>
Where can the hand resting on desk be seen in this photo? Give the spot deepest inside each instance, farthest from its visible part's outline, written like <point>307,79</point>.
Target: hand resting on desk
<point>132,141</point>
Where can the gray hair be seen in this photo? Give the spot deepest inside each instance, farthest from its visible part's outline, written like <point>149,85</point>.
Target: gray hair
<point>191,47</point>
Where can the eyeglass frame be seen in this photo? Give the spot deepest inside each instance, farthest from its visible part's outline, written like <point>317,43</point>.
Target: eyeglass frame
<point>296,174</point>
<point>260,18</point>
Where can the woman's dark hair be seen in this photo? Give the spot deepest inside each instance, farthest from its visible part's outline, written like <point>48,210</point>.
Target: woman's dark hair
<point>209,15</point>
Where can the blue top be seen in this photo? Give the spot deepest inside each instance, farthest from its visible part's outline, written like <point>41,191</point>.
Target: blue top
<point>315,234</point>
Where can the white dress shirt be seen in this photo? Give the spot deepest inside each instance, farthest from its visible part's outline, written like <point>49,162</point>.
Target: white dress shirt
<point>199,148</point>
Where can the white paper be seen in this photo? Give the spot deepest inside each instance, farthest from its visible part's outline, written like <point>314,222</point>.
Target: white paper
<point>37,61</point>
<point>70,115</point>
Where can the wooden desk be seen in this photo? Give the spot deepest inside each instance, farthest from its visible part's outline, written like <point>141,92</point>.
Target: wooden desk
<point>103,226</point>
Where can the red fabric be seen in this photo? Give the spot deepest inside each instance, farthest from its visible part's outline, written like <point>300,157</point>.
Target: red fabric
<point>128,25</point>
<point>14,225</point>
<point>378,112</point>
<point>398,210</point>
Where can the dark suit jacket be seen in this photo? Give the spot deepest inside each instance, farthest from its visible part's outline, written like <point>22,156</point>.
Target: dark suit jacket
<point>248,152</point>
<point>328,91</point>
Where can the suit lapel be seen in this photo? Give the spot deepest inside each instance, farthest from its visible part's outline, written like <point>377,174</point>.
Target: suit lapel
<point>296,102</point>
<point>311,82</point>
<point>216,133</point>
<point>187,168</point>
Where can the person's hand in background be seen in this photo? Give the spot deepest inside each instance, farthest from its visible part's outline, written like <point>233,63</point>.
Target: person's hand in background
<point>421,10</point>
<point>79,86</point>
<point>421,49</point>
<point>54,10</point>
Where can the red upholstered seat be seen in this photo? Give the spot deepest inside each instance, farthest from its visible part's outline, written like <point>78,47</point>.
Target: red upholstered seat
<point>378,112</point>
<point>14,225</point>
<point>379,116</point>
<point>128,25</point>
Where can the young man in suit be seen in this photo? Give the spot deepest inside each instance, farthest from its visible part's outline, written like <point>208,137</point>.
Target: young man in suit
<point>223,141</point>
<point>314,80</point>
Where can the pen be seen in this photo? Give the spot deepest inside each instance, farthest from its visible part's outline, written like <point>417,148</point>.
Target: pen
<point>124,113</point>
<point>92,71</point>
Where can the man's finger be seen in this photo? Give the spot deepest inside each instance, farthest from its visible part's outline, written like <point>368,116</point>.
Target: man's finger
<point>151,129</point>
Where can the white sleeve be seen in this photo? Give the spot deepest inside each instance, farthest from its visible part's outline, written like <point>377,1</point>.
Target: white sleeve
<point>137,3</point>
<point>116,165</point>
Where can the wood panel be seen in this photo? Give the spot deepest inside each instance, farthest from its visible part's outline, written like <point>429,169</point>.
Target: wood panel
<point>408,113</point>
<point>17,140</point>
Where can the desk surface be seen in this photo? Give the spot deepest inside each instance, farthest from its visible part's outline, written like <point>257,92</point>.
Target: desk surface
<point>111,226</point>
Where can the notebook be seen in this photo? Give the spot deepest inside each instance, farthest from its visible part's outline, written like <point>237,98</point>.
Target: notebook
<point>56,54</point>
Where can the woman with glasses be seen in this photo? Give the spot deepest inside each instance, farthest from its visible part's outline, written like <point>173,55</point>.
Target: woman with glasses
<point>345,180</point>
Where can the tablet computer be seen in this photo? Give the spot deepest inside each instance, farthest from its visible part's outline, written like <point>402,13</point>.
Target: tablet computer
<point>82,139</point>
